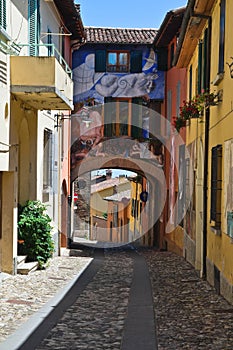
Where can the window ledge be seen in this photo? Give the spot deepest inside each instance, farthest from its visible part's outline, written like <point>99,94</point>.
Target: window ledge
<point>218,79</point>
<point>216,230</point>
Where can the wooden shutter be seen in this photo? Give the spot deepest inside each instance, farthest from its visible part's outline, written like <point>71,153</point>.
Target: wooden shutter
<point>216,184</point>
<point>135,61</point>
<point>199,79</point>
<point>100,61</point>
<point>34,26</point>
<point>162,58</point>
<point>205,59</point>
<point>108,129</point>
<point>190,81</point>
<point>136,127</point>
<point>3,13</point>
<point>222,36</point>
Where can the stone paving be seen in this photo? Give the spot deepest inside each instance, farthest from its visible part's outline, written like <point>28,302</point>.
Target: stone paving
<point>22,295</point>
<point>96,320</point>
<point>188,312</point>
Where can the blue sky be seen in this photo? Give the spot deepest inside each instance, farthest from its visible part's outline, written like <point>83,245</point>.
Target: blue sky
<point>126,13</point>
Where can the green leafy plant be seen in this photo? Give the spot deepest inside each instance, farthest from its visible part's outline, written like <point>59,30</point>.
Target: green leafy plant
<point>34,233</point>
<point>179,122</point>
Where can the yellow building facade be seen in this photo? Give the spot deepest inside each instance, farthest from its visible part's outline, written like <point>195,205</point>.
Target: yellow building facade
<point>205,50</point>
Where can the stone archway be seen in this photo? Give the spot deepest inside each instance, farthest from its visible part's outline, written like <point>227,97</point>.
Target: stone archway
<point>148,169</point>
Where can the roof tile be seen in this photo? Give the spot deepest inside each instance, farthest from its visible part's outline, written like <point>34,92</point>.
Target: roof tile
<point>96,35</point>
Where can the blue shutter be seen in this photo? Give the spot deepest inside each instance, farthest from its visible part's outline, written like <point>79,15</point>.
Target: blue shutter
<point>100,61</point>
<point>34,26</point>
<point>135,62</point>
<point>3,13</point>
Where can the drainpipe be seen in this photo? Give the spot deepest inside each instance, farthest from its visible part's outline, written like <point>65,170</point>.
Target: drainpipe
<point>206,155</point>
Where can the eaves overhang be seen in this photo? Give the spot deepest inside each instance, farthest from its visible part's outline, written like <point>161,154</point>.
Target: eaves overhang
<point>72,18</point>
<point>169,27</point>
<point>195,17</point>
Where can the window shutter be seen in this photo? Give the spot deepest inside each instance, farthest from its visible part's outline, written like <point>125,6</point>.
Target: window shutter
<point>216,185</point>
<point>222,36</point>
<point>34,26</point>
<point>136,127</point>
<point>100,61</point>
<point>108,129</point>
<point>190,81</point>
<point>162,58</point>
<point>199,80</point>
<point>205,53</point>
<point>135,62</point>
<point>3,13</point>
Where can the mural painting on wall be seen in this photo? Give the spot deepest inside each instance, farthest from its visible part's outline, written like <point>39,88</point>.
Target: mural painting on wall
<point>89,121</point>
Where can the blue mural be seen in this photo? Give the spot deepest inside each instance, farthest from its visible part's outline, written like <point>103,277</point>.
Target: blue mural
<point>90,84</point>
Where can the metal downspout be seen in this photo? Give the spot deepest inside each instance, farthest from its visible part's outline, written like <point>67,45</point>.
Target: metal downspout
<point>206,156</point>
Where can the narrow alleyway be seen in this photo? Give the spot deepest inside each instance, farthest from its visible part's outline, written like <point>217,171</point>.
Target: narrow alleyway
<point>139,300</point>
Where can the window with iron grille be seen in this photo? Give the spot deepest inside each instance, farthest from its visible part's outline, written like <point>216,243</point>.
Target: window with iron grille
<point>216,185</point>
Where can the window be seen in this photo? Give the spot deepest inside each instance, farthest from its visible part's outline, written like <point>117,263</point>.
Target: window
<point>172,54</point>
<point>190,81</point>
<point>117,61</point>
<point>178,98</point>
<point>123,117</point>
<point>49,42</point>
<point>202,78</point>
<point>34,26</point>
<point>47,161</point>
<point>216,185</point>
<point>199,76</point>
<point>3,13</point>
<point>222,36</point>
<point>169,111</point>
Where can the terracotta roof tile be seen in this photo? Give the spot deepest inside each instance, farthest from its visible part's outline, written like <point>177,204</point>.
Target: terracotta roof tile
<point>97,35</point>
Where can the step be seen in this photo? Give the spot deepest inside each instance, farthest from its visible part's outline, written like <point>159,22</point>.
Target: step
<point>21,259</point>
<point>25,268</point>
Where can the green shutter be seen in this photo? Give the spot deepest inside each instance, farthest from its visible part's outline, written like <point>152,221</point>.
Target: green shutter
<point>199,80</point>
<point>136,127</point>
<point>34,26</point>
<point>135,62</point>
<point>3,13</point>
<point>162,58</point>
<point>205,53</point>
<point>100,61</point>
<point>108,127</point>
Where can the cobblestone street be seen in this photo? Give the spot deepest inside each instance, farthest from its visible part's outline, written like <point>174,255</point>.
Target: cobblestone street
<point>188,314</point>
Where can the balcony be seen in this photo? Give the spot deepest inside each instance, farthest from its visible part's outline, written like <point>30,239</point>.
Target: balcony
<point>43,80</point>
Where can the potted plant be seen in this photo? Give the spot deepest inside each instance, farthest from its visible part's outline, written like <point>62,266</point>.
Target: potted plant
<point>179,122</point>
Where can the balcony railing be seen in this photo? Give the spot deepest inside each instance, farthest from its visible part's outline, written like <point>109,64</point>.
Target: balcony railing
<point>9,48</point>
<point>45,50</point>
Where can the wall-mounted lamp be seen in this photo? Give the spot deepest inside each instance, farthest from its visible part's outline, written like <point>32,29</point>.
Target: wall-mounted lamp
<point>83,114</point>
<point>59,117</point>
